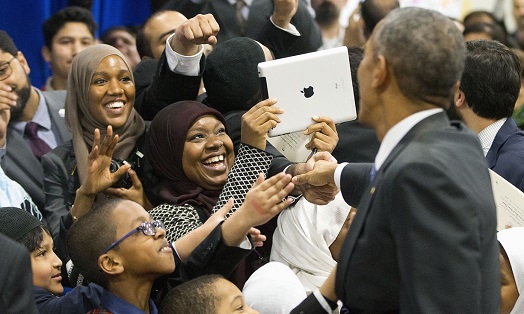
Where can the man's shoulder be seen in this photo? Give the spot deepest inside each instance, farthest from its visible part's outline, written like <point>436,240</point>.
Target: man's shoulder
<point>55,97</point>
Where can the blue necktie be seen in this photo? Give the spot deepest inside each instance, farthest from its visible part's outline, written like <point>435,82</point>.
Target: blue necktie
<point>372,173</point>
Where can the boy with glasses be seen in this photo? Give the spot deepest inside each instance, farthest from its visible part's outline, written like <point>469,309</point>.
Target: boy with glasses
<point>117,246</point>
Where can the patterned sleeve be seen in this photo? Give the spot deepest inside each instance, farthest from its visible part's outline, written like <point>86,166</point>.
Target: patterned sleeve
<point>248,164</point>
<point>178,220</point>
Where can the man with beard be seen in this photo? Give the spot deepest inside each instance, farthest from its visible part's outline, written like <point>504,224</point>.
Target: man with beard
<point>327,13</point>
<point>36,124</point>
<point>486,106</point>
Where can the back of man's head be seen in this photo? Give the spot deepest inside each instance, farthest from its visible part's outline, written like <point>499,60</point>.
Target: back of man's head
<point>372,11</point>
<point>53,24</point>
<point>198,295</point>
<point>88,238</point>
<point>7,44</point>
<point>491,79</point>
<point>425,50</point>
<point>483,30</point>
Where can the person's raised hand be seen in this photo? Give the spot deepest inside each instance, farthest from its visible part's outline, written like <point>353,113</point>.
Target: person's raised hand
<point>325,136</point>
<point>266,199</point>
<point>257,122</point>
<point>198,30</point>
<point>283,12</point>
<point>354,36</point>
<point>135,193</point>
<point>98,176</point>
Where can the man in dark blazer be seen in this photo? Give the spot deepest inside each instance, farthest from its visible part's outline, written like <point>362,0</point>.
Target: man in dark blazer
<point>267,21</point>
<point>424,236</point>
<point>28,104</point>
<point>486,106</point>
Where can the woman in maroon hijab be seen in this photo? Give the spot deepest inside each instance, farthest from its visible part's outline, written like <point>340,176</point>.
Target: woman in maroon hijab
<point>194,162</point>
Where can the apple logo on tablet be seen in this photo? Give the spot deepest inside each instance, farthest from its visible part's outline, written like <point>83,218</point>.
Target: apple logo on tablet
<point>308,91</point>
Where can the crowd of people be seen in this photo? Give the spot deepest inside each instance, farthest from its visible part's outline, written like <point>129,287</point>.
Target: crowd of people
<point>139,179</point>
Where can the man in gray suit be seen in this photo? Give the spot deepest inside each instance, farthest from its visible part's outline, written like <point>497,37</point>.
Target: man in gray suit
<point>29,105</point>
<point>424,236</point>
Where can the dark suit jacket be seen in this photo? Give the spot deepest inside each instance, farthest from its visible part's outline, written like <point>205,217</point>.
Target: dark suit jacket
<point>16,292</point>
<point>258,27</point>
<point>19,162</point>
<point>506,154</point>
<point>157,86</point>
<point>424,237</point>
<point>355,143</point>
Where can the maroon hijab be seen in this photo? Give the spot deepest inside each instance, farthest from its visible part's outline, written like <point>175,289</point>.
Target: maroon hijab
<point>165,146</point>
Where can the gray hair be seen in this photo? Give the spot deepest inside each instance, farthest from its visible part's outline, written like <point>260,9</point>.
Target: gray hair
<point>426,51</point>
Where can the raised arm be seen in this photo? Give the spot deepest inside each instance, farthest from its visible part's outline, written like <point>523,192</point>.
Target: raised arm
<point>98,177</point>
<point>263,202</point>
<point>169,86</point>
<point>284,43</point>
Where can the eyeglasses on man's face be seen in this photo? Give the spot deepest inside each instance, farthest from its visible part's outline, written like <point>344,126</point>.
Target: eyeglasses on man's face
<point>6,69</point>
<point>148,228</point>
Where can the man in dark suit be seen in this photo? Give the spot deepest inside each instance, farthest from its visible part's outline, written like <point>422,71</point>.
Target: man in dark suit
<point>424,236</point>
<point>284,26</point>
<point>486,106</point>
<point>28,105</point>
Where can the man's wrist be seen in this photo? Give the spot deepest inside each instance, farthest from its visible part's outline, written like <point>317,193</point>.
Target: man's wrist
<point>280,21</point>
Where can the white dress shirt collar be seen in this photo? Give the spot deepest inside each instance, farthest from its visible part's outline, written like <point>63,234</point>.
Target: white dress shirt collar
<point>398,131</point>
<point>487,136</point>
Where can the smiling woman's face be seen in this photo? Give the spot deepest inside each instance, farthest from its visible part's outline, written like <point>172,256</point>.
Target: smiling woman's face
<point>112,92</point>
<point>208,153</point>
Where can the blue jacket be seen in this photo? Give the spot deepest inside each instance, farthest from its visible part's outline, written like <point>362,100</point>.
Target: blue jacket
<point>506,155</point>
<point>79,300</point>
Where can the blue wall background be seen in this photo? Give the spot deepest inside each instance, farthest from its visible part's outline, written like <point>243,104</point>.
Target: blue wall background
<point>22,20</point>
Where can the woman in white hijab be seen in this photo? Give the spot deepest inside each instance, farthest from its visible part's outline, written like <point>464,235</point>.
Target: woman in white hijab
<point>512,270</point>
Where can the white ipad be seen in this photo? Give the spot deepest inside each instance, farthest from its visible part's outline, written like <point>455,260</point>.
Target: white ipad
<point>312,84</point>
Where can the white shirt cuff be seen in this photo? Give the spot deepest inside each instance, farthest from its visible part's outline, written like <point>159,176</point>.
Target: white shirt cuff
<point>322,301</point>
<point>290,29</point>
<point>185,65</point>
<point>338,173</point>
<point>246,244</point>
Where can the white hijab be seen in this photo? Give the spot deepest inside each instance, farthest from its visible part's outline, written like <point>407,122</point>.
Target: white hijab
<point>512,240</point>
<point>303,236</point>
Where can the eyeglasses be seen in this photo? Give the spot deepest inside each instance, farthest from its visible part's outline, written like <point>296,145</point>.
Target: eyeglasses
<point>6,69</point>
<point>148,228</point>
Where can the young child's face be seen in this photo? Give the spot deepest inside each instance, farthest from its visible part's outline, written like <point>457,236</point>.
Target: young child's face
<point>231,299</point>
<point>141,254</point>
<point>46,267</point>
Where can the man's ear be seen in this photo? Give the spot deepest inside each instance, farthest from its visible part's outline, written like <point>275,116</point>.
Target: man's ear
<point>380,73</point>
<point>21,58</point>
<point>459,98</point>
<point>110,264</point>
<point>46,54</point>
